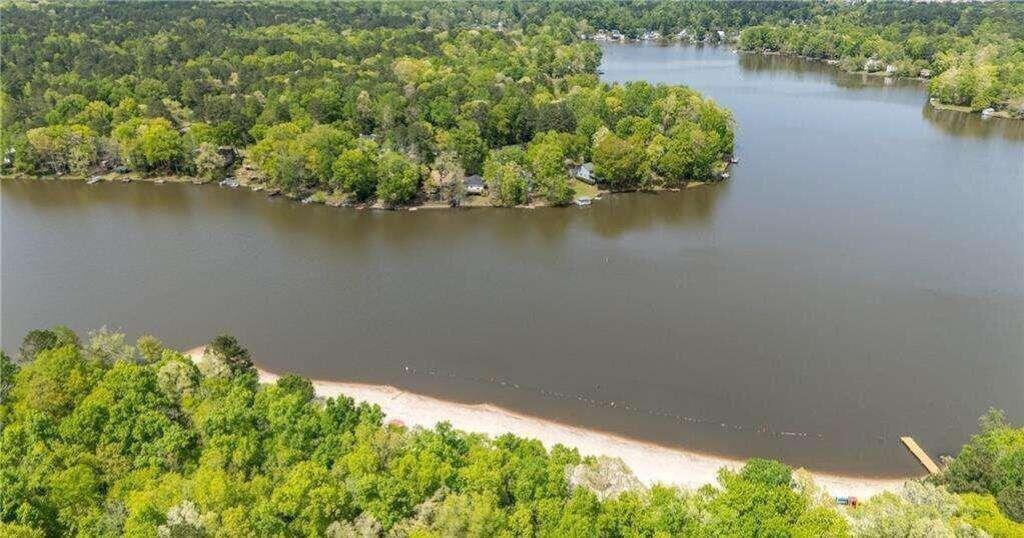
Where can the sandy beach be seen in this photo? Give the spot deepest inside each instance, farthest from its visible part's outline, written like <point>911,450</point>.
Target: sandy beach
<point>649,462</point>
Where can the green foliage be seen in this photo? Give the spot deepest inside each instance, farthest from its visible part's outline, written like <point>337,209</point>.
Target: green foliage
<point>620,162</point>
<point>42,339</point>
<point>355,171</point>
<point>155,448</point>
<point>470,146</point>
<point>226,349</point>
<point>981,511</point>
<point>507,177</point>
<point>315,95</point>
<point>59,149</point>
<point>55,381</point>
<point>151,144</point>
<point>973,54</point>
<point>209,164</point>
<point>97,443</point>
<point>398,179</point>
<point>992,462</point>
<point>919,509</point>
<point>547,154</point>
<point>296,156</point>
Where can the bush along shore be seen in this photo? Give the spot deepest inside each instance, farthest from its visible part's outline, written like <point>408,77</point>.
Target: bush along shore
<point>381,117</point>
<point>101,438</point>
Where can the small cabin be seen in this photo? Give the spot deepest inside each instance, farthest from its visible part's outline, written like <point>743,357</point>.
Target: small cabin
<point>474,184</point>
<point>584,173</point>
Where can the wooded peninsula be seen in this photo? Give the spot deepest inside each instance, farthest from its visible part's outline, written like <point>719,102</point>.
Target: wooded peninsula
<point>401,103</point>
<point>393,114</point>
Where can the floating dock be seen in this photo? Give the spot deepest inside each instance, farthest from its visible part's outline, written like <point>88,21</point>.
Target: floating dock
<point>920,454</point>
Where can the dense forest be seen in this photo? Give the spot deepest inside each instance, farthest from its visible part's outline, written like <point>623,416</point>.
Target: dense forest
<point>341,99</point>
<point>104,438</point>
<point>973,54</point>
<point>396,102</point>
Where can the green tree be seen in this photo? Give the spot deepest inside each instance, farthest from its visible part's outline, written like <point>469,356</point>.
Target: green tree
<point>61,148</point>
<point>355,171</point>
<point>209,163</point>
<point>226,349</point>
<point>507,177</point>
<point>150,144</point>
<point>470,146</point>
<point>547,156</point>
<point>622,163</point>
<point>397,179</point>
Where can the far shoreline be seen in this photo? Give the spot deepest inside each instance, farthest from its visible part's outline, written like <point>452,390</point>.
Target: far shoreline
<point>596,193</point>
<point>650,463</point>
<point>932,101</point>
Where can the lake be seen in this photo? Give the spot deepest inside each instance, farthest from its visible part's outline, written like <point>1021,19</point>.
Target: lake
<point>860,277</point>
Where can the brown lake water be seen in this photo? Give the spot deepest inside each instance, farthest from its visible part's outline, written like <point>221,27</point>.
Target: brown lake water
<point>860,277</point>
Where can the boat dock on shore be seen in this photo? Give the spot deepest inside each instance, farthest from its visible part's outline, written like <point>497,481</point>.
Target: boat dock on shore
<point>920,454</point>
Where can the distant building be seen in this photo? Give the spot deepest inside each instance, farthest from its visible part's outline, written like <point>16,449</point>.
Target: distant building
<point>474,184</point>
<point>584,173</point>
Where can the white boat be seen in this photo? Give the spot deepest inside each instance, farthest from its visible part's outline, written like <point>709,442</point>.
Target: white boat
<point>583,201</point>
<point>94,180</point>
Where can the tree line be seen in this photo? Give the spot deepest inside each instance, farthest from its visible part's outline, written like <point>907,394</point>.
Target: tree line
<point>394,111</point>
<point>972,54</point>
<point>102,437</point>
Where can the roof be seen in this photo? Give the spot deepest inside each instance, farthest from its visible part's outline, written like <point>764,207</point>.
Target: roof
<point>474,181</point>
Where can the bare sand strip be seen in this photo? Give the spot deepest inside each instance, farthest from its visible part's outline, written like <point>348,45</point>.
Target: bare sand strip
<point>650,463</point>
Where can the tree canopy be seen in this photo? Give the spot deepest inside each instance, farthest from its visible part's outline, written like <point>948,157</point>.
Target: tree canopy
<point>103,438</point>
<point>357,99</point>
<point>973,54</point>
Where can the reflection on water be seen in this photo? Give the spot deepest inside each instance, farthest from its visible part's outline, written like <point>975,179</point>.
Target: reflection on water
<point>973,125</point>
<point>949,121</point>
<point>610,217</point>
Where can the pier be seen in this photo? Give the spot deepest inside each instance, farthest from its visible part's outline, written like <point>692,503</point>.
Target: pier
<point>920,454</point>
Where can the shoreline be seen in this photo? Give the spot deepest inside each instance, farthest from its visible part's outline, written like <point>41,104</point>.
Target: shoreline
<point>332,201</point>
<point>649,462</point>
<point>932,101</point>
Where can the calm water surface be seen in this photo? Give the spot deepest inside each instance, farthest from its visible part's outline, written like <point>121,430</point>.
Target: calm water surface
<point>860,277</point>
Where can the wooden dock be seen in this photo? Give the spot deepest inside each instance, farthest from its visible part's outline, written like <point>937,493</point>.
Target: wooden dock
<point>920,454</point>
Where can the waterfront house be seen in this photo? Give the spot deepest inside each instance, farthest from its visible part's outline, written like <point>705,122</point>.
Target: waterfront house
<point>584,173</point>
<point>474,184</point>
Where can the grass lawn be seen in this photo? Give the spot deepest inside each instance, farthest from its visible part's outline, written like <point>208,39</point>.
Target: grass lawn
<point>584,190</point>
